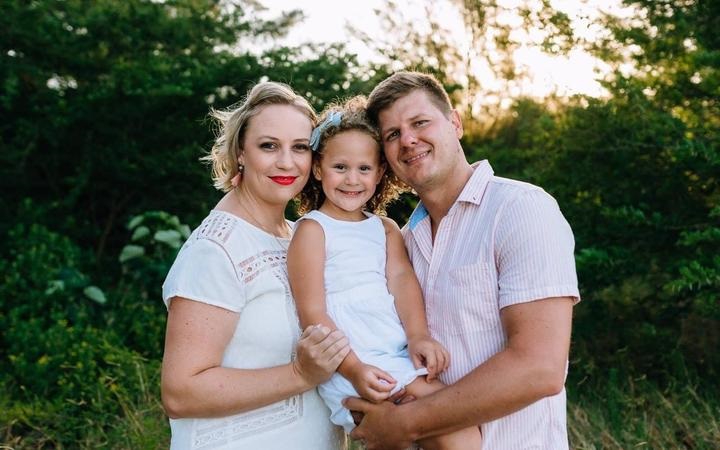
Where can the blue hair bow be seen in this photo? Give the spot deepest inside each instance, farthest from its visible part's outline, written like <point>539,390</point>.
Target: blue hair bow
<point>333,119</point>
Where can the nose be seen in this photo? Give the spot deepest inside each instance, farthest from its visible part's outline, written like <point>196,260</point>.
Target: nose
<point>284,159</point>
<point>351,177</point>
<point>408,138</point>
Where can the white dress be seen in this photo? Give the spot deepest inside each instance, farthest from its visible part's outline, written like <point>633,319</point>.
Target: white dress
<point>229,263</point>
<point>358,301</point>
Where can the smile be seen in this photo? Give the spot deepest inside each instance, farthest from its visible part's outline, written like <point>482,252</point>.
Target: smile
<point>417,157</point>
<point>285,181</point>
<point>351,193</point>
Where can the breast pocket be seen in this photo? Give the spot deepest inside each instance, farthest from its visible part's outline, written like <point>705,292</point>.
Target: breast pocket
<point>472,300</point>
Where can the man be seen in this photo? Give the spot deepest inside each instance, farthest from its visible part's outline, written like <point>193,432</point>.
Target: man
<point>495,260</point>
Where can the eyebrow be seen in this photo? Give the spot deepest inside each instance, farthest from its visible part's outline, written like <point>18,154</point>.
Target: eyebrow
<point>415,117</point>
<point>273,138</point>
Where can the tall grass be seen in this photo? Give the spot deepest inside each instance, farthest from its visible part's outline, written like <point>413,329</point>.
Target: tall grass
<point>627,413</point>
<point>135,420</point>
<point>637,414</point>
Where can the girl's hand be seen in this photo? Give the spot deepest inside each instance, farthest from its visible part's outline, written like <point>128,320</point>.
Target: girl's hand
<point>429,353</point>
<point>319,353</point>
<point>372,383</point>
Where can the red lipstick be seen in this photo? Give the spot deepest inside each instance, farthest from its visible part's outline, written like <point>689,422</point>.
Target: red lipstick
<point>285,181</point>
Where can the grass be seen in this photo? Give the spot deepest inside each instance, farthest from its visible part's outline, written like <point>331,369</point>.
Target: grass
<point>630,414</point>
<point>638,415</point>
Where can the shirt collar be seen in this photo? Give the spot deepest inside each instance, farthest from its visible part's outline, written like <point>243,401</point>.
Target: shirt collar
<point>472,192</point>
<point>475,187</point>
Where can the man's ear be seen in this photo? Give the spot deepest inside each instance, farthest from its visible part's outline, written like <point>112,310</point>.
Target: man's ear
<point>457,123</point>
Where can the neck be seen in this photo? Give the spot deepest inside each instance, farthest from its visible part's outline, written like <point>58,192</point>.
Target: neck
<point>268,217</point>
<point>439,199</point>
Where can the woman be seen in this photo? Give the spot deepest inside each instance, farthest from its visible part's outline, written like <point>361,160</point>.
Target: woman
<point>236,372</point>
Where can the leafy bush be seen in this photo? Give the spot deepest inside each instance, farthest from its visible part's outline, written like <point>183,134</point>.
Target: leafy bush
<point>58,355</point>
<point>138,310</point>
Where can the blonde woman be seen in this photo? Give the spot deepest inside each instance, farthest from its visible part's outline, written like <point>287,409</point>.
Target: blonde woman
<point>237,371</point>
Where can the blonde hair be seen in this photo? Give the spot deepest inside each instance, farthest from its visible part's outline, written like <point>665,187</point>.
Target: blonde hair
<point>231,124</point>
<point>400,84</point>
<point>352,117</point>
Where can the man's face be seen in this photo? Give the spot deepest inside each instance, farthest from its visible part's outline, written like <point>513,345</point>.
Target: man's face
<point>421,143</point>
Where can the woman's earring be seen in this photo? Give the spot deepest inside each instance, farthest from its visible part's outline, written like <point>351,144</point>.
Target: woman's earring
<point>235,181</point>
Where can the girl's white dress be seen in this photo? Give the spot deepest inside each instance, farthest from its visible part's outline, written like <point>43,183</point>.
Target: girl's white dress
<point>231,264</point>
<point>358,301</point>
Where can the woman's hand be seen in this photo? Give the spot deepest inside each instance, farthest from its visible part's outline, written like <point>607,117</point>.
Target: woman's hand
<point>427,352</point>
<point>319,353</point>
<point>372,383</point>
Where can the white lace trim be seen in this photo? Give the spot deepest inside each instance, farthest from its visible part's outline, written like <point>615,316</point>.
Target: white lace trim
<point>238,427</point>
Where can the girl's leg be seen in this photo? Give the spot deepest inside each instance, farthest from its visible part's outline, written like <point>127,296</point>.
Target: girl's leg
<point>467,438</point>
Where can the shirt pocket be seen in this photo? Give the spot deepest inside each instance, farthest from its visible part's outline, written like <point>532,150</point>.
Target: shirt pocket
<point>471,300</point>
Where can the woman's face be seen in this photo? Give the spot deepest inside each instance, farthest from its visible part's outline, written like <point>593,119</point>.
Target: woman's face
<point>276,154</point>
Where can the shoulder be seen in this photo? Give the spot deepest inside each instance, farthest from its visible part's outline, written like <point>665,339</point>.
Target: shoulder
<point>306,225</point>
<point>518,196</point>
<point>390,226</point>
<point>307,231</point>
<point>313,218</point>
<point>512,188</point>
<point>223,229</point>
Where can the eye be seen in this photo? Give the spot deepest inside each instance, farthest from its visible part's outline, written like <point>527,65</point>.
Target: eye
<point>268,146</point>
<point>421,123</point>
<point>392,135</point>
<point>365,168</point>
<point>339,167</point>
<point>301,148</point>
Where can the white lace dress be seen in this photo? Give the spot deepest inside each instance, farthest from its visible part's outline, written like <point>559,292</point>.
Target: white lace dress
<point>229,263</point>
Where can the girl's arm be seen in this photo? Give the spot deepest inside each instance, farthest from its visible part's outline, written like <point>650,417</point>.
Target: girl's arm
<point>194,384</point>
<point>306,272</point>
<point>404,286</point>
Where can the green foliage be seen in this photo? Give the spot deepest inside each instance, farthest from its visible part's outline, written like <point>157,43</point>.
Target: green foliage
<point>616,411</point>
<point>103,108</point>
<point>625,176</point>
<point>63,365</point>
<point>156,237</point>
<point>118,128</point>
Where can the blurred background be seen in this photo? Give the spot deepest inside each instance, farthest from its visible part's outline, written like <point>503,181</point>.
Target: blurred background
<point>612,106</point>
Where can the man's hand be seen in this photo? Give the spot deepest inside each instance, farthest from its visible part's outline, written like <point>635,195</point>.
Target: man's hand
<point>427,352</point>
<point>380,428</point>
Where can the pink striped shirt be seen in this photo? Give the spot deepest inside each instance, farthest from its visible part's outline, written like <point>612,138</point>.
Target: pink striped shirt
<point>501,243</point>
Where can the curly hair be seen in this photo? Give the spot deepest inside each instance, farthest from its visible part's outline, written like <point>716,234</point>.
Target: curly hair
<point>353,117</point>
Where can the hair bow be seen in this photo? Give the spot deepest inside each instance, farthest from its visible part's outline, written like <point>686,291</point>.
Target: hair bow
<point>333,119</point>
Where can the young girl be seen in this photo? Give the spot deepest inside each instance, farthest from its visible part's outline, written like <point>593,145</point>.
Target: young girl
<point>348,269</point>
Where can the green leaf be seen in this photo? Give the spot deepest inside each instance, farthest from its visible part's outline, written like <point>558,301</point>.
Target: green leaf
<point>140,232</point>
<point>135,221</point>
<point>131,251</point>
<point>172,238</point>
<point>54,286</point>
<point>185,231</point>
<point>96,294</point>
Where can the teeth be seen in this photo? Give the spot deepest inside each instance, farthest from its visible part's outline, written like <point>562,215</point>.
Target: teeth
<point>415,158</point>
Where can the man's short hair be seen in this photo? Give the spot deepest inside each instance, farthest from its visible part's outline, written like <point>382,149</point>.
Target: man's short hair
<point>399,85</point>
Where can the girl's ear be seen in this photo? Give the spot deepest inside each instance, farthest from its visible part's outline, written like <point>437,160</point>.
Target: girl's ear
<point>381,172</point>
<point>317,172</point>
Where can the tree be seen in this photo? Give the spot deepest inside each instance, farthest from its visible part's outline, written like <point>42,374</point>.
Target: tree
<point>104,104</point>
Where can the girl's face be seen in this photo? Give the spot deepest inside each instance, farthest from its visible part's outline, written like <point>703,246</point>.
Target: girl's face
<point>349,170</point>
<point>276,154</point>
